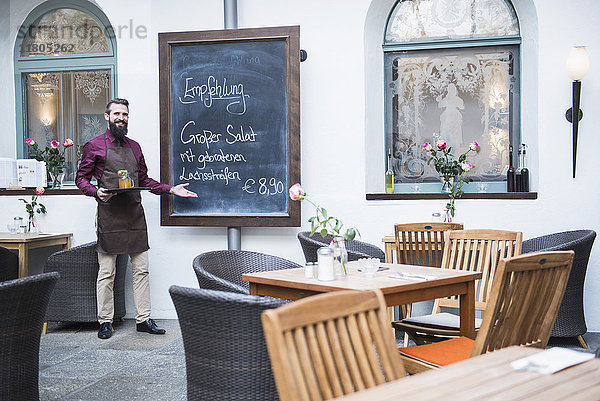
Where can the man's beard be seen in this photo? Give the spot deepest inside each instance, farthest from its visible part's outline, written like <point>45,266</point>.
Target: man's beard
<point>118,132</point>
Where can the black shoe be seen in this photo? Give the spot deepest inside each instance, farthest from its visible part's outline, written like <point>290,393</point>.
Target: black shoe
<point>150,327</point>
<point>105,331</point>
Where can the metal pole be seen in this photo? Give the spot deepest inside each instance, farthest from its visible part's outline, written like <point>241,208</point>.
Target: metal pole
<point>234,238</point>
<point>234,234</point>
<point>231,14</point>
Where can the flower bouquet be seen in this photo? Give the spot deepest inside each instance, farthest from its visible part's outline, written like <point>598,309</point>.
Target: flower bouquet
<point>326,224</point>
<point>53,156</point>
<point>450,169</point>
<point>34,207</point>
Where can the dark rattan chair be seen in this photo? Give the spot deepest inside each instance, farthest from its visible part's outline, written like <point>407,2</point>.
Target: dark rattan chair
<point>570,321</point>
<point>222,270</point>
<point>74,298</point>
<point>356,249</point>
<point>23,304</point>
<point>9,265</point>
<point>225,351</point>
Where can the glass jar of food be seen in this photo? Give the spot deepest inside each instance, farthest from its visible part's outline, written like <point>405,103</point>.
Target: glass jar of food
<point>124,179</point>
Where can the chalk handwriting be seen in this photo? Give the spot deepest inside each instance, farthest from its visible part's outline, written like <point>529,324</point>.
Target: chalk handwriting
<point>222,175</point>
<point>219,157</point>
<point>241,136</point>
<point>206,137</point>
<point>214,89</point>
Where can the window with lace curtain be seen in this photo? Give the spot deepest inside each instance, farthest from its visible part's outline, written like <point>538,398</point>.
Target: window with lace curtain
<point>452,72</point>
<point>65,66</point>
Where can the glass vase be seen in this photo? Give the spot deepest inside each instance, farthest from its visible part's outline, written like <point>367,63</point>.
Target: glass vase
<point>56,179</point>
<point>32,224</point>
<point>340,257</point>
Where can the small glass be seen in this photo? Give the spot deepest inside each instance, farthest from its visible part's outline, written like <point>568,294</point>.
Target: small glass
<point>436,217</point>
<point>124,180</point>
<point>415,187</point>
<point>369,266</point>
<point>12,228</point>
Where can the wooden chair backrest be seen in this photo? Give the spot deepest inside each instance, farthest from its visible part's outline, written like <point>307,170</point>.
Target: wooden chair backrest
<point>524,301</point>
<point>332,344</point>
<point>421,243</point>
<point>477,250</point>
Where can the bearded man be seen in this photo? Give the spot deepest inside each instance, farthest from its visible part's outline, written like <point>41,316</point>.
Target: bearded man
<point>120,221</point>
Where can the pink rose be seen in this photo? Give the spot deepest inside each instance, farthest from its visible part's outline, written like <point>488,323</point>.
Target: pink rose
<point>68,143</point>
<point>54,144</point>
<point>474,146</point>
<point>441,144</point>
<point>296,192</point>
<point>466,166</point>
<point>39,190</point>
<point>30,141</point>
<point>427,146</point>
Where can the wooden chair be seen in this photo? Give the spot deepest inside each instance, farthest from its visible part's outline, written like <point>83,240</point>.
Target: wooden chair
<point>469,250</point>
<point>421,243</point>
<point>331,344</point>
<point>524,301</point>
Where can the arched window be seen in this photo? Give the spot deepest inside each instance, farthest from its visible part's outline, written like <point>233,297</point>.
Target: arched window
<point>452,71</point>
<point>65,63</point>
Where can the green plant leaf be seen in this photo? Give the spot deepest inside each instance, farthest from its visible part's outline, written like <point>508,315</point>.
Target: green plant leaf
<point>324,232</point>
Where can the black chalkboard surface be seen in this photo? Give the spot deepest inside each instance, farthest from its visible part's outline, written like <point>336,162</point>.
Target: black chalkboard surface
<point>230,126</point>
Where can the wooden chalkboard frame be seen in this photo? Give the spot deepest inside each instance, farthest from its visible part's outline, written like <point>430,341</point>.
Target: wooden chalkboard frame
<point>291,36</point>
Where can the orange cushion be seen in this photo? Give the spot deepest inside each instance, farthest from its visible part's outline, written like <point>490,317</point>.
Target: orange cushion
<point>442,353</point>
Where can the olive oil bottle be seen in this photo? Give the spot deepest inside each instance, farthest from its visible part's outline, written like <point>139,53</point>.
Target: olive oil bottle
<point>389,174</point>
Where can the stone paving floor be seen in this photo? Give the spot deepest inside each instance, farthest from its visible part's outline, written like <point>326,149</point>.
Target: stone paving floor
<point>76,365</point>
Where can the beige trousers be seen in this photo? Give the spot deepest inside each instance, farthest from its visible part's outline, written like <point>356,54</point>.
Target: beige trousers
<point>106,279</point>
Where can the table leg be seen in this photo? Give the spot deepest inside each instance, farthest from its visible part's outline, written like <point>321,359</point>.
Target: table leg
<point>67,244</point>
<point>467,311</point>
<point>23,260</point>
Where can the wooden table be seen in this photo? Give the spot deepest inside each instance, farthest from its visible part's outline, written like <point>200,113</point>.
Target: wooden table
<point>24,242</point>
<point>490,377</point>
<point>291,284</point>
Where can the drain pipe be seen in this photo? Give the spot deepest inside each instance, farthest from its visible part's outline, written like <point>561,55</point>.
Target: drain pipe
<point>230,11</point>
<point>234,234</point>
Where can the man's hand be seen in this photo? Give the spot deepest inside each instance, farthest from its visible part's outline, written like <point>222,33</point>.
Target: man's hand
<point>103,195</point>
<point>180,190</point>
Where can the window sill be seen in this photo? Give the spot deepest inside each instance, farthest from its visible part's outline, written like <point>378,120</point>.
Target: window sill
<point>475,195</point>
<point>67,190</point>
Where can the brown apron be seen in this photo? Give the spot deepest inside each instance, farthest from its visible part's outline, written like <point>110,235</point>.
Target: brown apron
<point>121,221</point>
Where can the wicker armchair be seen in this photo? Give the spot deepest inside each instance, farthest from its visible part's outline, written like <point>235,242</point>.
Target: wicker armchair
<point>570,321</point>
<point>23,304</point>
<point>356,249</point>
<point>74,298</point>
<point>9,264</point>
<point>222,270</point>
<point>225,351</point>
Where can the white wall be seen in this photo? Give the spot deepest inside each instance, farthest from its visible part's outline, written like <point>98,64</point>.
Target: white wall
<point>340,110</point>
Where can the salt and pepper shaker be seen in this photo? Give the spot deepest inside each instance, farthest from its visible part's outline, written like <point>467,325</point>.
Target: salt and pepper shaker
<point>309,270</point>
<point>325,263</point>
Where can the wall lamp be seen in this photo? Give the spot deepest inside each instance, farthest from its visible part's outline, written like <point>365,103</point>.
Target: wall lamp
<point>578,65</point>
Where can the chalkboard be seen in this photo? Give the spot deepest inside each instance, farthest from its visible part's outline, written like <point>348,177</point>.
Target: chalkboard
<point>230,126</point>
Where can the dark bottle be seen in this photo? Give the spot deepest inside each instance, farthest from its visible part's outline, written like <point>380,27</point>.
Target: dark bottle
<point>524,170</point>
<point>510,173</point>
<point>518,176</point>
